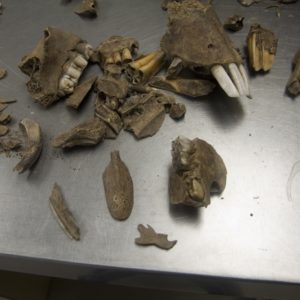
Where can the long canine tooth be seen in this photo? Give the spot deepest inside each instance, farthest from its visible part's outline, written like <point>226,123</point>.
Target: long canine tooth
<point>80,61</point>
<point>246,80</point>
<point>237,78</point>
<point>224,81</point>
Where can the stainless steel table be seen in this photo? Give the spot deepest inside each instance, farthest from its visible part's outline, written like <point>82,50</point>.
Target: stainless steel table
<point>252,233</point>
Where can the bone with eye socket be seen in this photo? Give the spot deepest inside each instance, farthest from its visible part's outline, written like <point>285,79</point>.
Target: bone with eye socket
<point>234,82</point>
<point>73,69</point>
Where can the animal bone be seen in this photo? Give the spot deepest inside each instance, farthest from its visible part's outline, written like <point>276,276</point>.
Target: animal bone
<point>196,37</point>
<point>3,73</point>
<point>55,65</point>
<point>150,237</point>
<point>262,46</point>
<point>62,214</point>
<point>293,84</point>
<point>89,133</point>
<point>234,23</point>
<point>32,152</point>
<point>196,170</point>
<point>118,188</point>
<point>87,8</point>
<point>141,70</point>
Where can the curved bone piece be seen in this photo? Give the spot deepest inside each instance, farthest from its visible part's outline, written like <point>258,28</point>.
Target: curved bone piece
<point>150,237</point>
<point>62,214</point>
<point>197,169</point>
<point>89,133</point>
<point>118,188</point>
<point>31,154</point>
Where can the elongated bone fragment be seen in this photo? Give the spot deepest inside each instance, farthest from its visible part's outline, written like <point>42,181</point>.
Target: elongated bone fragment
<point>197,170</point>
<point>189,87</point>
<point>262,47</point>
<point>80,93</point>
<point>89,133</point>
<point>141,70</point>
<point>87,8</point>
<point>148,237</point>
<point>33,134</point>
<point>293,84</point>
<point>118,188</point>
<point>62,214</point>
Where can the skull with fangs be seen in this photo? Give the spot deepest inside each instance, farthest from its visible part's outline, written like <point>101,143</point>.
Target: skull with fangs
<point>196,40</point>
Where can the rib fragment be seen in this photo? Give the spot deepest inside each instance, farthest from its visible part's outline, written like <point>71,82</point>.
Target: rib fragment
<point>262,47</point>
<point>118,188</point>
<point>62,214</point>
<point>89,133</point>
<point>148,237</point>
<point>197,170</point>
<point>293,84</point>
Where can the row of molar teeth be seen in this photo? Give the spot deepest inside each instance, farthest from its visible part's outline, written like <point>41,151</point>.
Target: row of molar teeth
<point>233,79</point>
<point>73,70</point>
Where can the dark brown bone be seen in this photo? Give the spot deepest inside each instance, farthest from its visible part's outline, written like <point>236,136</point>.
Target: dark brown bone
<point>196,36</point>
<point>293,84</point>
<point>118,188</point>
<point>150,237</point>
<point>196,170</point>
<point>44,64</point>
<point>234,23</point>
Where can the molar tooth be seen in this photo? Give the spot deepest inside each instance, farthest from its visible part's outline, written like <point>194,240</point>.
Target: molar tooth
<point>73,73</point>
<point>80,61</point>
<point>224,81</point>
<point>237,78</point>
<point>66,84</point>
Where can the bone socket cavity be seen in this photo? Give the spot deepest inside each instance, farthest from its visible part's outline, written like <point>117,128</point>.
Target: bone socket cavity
<point>73,69</point>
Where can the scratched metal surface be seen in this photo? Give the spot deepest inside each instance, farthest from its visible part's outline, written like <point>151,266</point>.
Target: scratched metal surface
<point>254,232</point>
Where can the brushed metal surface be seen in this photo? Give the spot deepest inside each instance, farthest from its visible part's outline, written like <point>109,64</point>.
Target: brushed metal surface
<point>253,232</point>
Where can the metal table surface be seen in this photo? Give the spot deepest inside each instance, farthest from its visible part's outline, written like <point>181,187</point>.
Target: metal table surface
<point>253,232</point>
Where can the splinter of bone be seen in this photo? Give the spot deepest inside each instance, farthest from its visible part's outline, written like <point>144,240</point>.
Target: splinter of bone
<point>262,46</point>
<point>32,152</point>
<point>73,70</point>
<point>189,87</point>
<point>142,69</point>
<point>197,170</point>
<point>149,237</point>
<point>293,84</point>
<point>87,8</point>
<point>89,133</point>
<point>62,214</point>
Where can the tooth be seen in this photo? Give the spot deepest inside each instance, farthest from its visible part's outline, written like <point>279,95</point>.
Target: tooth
<point>109,60</point>
<point>126,56</point>
<point>80,61</point>
<point>237,78</point>
<point>66,84</point>
<point>246,80</point>
<point>224,81</point>
<point>73,73</point>
<point>117,58</point>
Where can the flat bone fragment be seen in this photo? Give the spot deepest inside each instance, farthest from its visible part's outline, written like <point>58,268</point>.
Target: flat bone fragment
<point>55,65</point>
<point>3,130</point>
<point>80,93</point>
<point>262,47</point>
<point>62,214</point>
<point>4,118</point>
<point>144,68</point>
<point>118,188</point>
<point>197,170</point>
<point>234,23</point>
<point>89,133</point>
<point>148,237</point>
<point>188,87</point>
<point>146,118</point>
<point>3,73</point>
<point>33,148</point>
<point>87,8</point>
<point>293,84</point>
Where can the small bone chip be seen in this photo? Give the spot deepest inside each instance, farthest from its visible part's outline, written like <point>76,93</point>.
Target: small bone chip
<point>150,237</point>
<point>87,8</point>
<point>3,73</point>
<point>62,214</point>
